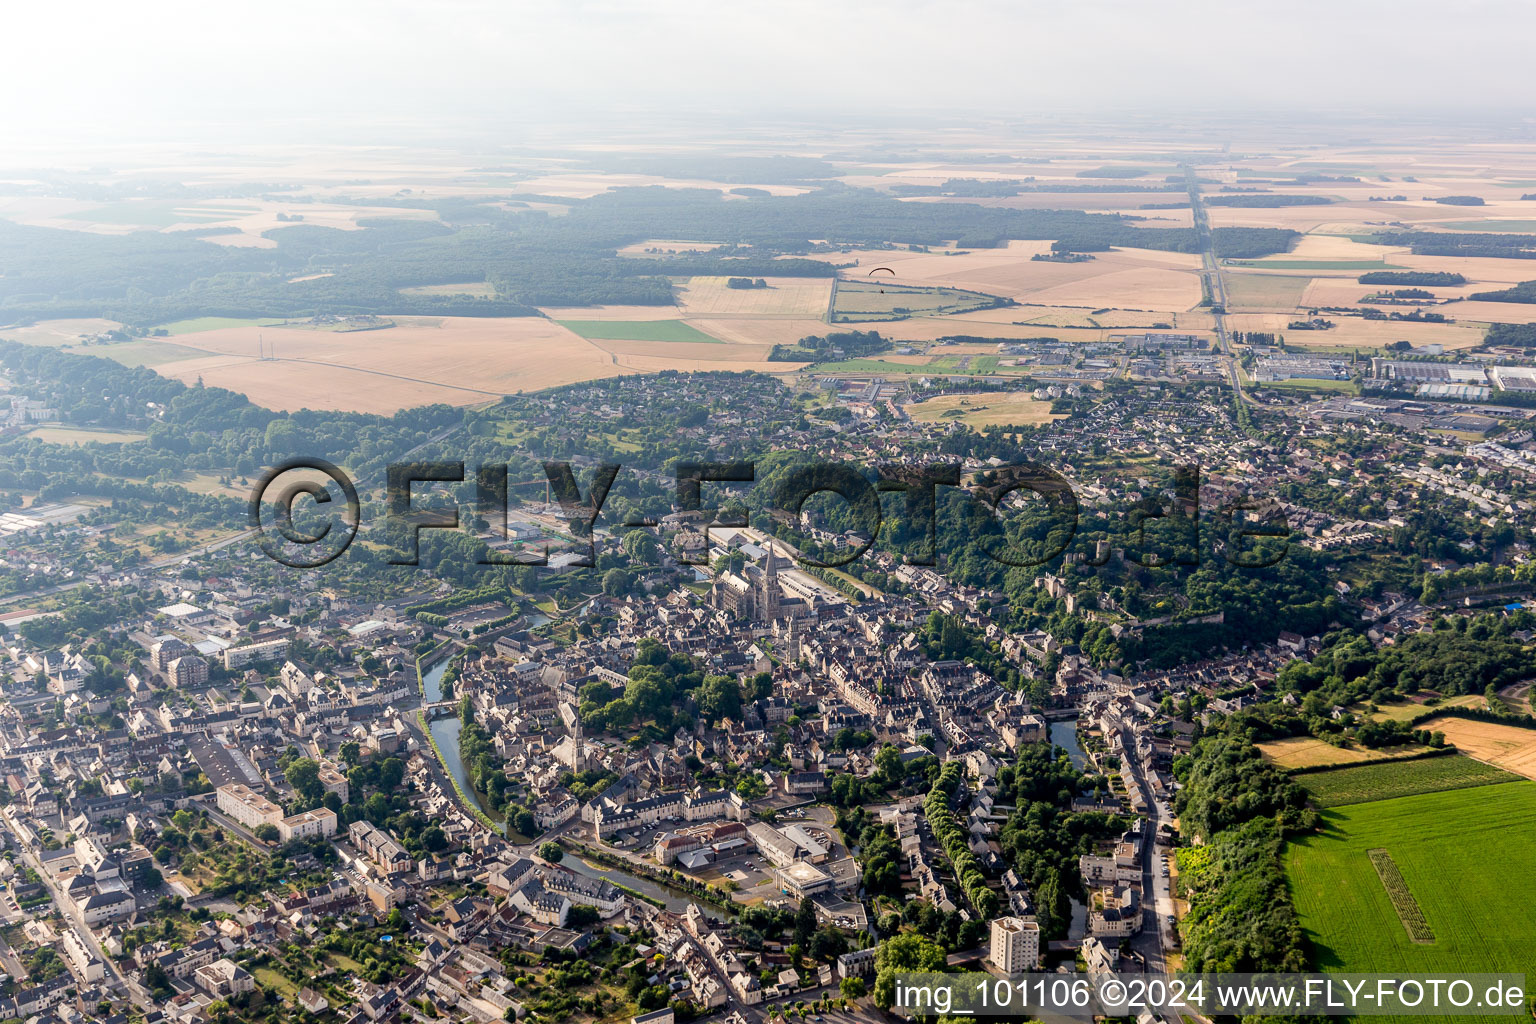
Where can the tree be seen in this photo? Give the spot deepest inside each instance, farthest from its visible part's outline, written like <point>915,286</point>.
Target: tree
<point>352,753</point>
<point>805,922</point>
<point>303,775</point>
<point>551,852</point>
<point>904,954</point>
<point>852,987</point>
<point>615,583</point>
<point>719,697</point>
<point>267,833</point>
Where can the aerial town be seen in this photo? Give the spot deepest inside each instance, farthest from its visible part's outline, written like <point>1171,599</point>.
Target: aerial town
<point>627,514</point>
<point>719,780</point>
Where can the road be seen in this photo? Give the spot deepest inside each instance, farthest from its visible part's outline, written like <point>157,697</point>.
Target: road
<point>66,907</point>
<point>1157,936</point>
<point>206,549</point>
<point>1217,286</point>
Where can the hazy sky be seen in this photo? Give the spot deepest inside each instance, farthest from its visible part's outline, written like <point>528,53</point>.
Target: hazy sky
<point>76,71</point>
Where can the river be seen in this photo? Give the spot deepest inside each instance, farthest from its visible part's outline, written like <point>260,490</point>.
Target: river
<point>446,732</point>
<point>1064,735</point>
<point>673,899</point>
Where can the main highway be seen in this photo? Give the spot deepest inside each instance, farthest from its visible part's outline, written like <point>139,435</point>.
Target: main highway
<point>1216,287</point>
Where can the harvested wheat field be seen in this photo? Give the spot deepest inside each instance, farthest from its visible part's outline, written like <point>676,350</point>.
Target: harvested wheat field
<point>1141,287</point>
<point>1307,751</point>
<point>59,332</point>
<point>1125,278</point>
<point>984,409</point>
<point>1354,332</point>
<point>463,361</point>
<point>1507,746</point>
<point>1278,292</point>
<point>784,297</point>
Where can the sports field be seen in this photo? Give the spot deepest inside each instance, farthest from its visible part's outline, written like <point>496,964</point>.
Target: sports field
<point>1466,862</point>
<point>1357,784</point>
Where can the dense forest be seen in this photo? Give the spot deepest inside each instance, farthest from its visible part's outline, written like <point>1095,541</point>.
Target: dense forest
<point>1448,243</point>
<point>1266,200</point>
<point>1422,277</point>
<point>1513,335</point>
<point>1240,913</point>
<point>532,259</point>
<point>1525,291</point>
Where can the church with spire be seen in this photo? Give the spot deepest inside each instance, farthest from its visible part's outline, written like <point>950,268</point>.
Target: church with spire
<point>757,594</point>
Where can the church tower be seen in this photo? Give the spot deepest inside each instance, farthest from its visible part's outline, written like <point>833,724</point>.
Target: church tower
<point>768,594</point>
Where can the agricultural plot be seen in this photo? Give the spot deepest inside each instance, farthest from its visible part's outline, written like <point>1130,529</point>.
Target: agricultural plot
<point>783,297</point>
<point>1285,264</point>
<point>1408,910</point>
<point>1507,746</point>
<point>214,323</point>
<point>1356,784</point>
<point>1409,709</point>
<point>1465,859</point>
<point>1308,751</point>
<point>76,435</point>
<point>140,353</point>
<point>59,332</point>
<point>639,330</point>
<point>1511,227</point>
<point>1265,291</point>
<point>984,409</point>
<point>156,214</point>
<point>454,360</point>
<point>474,289</point>
<point>865,301</point>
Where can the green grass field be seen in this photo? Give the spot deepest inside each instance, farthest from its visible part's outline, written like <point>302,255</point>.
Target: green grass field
<point>1314,264</point>
<point>77,435</point>
<point>639,330</point>
<point>1513,227</point>
<point>1468,862</point>
<point>1355,784</point>
<point>142,353</point>
<point>875,300</point>
<point>1303,384</point>
<point>214,323</point>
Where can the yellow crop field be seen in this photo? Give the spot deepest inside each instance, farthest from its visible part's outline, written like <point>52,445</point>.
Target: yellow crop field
<point>784,297</point>
<point>984,409</point>
<point>464,361</point>
<point>1307,751</point>
<point>1507,746</point>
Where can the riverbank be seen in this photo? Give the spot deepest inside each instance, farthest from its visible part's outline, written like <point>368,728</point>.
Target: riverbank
<point>468,801</point>
<point>686,888</point>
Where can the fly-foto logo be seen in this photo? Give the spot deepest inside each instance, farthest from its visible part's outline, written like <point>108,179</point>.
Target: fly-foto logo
<point>272,509</point>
